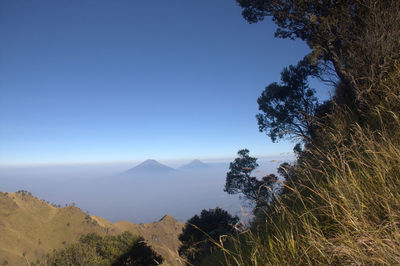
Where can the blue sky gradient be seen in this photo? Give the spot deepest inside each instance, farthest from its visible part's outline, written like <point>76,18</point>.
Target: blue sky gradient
<point>96,80</point>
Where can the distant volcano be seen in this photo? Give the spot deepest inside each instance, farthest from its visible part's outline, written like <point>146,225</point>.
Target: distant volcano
<point>150,167</point>
<point>195,164</point>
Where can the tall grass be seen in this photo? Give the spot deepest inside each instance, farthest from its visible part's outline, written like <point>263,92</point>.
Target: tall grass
<point>342,204</point>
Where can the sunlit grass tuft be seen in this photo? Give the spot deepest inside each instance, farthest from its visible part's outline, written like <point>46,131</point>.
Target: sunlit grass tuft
<point>342,205</point>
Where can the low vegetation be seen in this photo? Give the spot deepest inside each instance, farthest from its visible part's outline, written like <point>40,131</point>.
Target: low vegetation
<point>339,207</point>
<point>93,249</point>
<point>339,203</point>
<point>204,233</point>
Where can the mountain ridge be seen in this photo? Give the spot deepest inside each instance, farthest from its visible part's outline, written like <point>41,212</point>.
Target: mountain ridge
<point>31,228</point>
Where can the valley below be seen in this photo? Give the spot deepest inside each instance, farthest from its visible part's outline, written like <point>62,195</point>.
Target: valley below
<point>135,194</point>
<point>56,205</point>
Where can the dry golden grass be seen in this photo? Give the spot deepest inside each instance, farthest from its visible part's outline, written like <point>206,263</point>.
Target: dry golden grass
<point>31,228</point>
<point>343,205</point>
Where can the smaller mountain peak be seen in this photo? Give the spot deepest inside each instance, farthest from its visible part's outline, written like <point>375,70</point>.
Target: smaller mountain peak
<point>168,219</point>
<point>195,164</point>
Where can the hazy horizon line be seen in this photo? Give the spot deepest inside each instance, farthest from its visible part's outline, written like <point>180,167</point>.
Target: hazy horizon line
<point>221,159</point>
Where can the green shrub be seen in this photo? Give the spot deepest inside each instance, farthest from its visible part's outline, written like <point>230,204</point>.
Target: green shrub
<point>93,249</point>
<point>205,233</point>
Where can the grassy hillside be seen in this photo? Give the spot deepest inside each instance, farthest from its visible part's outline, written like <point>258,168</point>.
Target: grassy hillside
<point>341,202</point>
<point>30,228</point>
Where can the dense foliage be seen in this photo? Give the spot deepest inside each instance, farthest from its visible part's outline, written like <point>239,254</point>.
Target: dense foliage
<point>93,249</point>
<point>358,41</point>
<point>240,181</point>
<point>288,109</point>
<point>340,202</point>
<point>203,234</point>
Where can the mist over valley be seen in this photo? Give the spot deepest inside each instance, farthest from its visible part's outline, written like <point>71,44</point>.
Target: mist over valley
<point>136,192</point>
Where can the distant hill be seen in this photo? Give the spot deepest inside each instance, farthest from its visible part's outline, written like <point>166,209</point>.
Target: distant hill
<point>149,167</point>
<point>32,228</point>
<point>195,164</point>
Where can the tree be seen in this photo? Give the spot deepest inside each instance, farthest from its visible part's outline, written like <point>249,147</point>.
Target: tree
<point>358,40</point>
<point>288,109</point>
<point>240,181</point>
<point>201,232</point>
<point>93,249</point>
<point>140,254</point>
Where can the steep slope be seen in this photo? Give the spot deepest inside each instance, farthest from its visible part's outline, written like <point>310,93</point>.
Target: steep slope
<point>30,228</point>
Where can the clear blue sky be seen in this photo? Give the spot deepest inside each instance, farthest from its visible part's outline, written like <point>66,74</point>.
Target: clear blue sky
<point>96,80</point>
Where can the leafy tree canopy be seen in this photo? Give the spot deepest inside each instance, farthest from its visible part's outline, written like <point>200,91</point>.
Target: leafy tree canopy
<point>93,249</point>
<point>240,181</point>
<point>358,40</point>
<point>201,232</point>
<point>288,108</point>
